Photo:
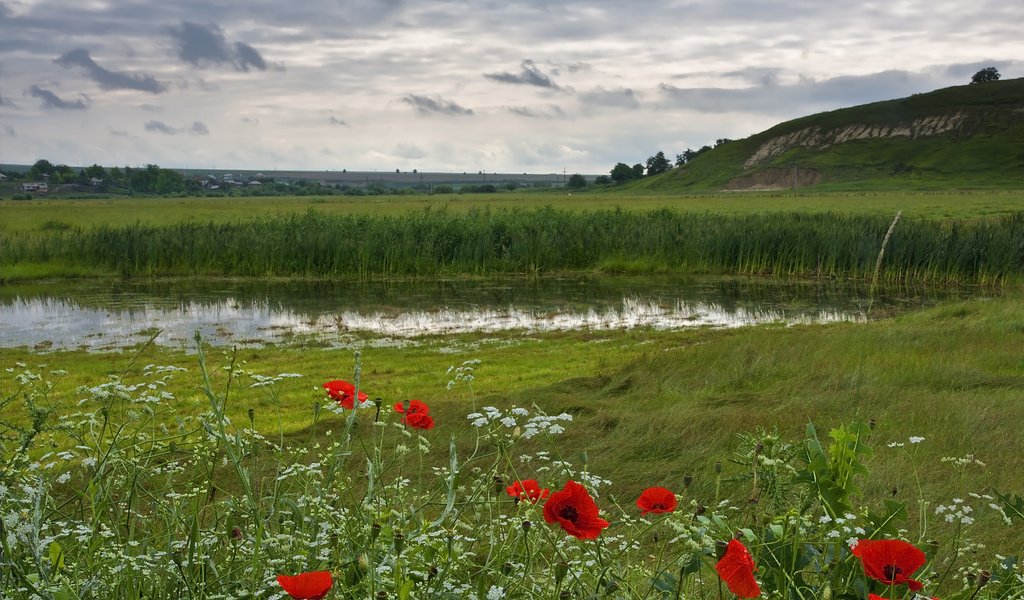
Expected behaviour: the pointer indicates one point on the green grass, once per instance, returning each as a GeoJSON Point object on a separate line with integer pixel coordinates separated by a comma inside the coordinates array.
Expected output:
{"type": "Point", "coordinates": [651, 406]}
{"type": "Point", "coordinates": [543, 240]}
{"type": "Point", "coordinates": [53, 215]}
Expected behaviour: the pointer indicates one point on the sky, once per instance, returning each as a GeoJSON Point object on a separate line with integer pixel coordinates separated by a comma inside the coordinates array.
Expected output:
{"type": "Point", "coordinates": [537, 86]}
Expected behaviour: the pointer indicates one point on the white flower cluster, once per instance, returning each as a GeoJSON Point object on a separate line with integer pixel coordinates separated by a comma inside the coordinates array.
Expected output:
{"type": "Point", "coordinates": [264, 380]}
{"type": "Point", "coordinates": [957, 511]}
{"type": "Point", "coordinates": [914, 439]}
{"type": "Point", "coordinates": [548, 424]}
{"type": "Point", "coordinates": [463, 373]}
{"type": "Point", "coordinates": [961, 463]}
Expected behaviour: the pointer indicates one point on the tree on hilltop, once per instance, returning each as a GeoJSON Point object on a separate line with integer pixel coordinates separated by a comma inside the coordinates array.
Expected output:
{"type": "Point", "coordinates": [658, 164]}
{"type": "Point", "coordinates": [985, 75]}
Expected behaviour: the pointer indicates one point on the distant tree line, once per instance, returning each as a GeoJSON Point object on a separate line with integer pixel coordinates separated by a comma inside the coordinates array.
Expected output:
{"type": "Point", "coordinates": [655, 165]}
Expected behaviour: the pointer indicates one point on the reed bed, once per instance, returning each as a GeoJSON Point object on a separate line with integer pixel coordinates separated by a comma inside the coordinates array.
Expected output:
{"type": "Point", "coordinates": [433, 242]}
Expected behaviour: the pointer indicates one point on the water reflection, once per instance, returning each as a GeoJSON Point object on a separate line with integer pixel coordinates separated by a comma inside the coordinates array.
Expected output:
{"type": "Point", "coordinates": [114, 314]}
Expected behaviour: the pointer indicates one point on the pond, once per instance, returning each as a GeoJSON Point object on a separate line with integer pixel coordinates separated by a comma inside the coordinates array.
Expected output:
{"type": "Point", "coordinates": [100, 315]}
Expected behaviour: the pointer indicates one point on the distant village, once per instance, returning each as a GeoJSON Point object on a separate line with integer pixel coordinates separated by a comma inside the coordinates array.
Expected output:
{"type": "Point", "coordinates": [44, 178]}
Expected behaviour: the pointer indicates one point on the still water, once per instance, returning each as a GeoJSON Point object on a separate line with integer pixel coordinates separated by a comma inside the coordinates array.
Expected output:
{"type": "Point", "coordinates": [114, 314]}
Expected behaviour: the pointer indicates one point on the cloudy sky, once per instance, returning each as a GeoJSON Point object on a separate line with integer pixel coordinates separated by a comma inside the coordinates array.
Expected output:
{"type": "Point", "coordinates": [458, 85]}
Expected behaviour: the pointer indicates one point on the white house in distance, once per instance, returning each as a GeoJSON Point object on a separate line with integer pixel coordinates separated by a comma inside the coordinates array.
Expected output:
{"type": "Point", "coordinates": [34, 186]}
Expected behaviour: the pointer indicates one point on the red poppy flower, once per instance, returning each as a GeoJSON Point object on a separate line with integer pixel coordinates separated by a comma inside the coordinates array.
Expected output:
{"type": "Point", "coordinates": [574, 509]}
{"type": "Point", "coordinates": [890, 561]}
{"type": "Point", "coordinates": [736, 568]}
{"type": "Point", "coordinates": [528, 489]}
{"type": "Point", "coordinates": [419, 420]}
{"type": "Point", "coordinates": [657, 500]}
{"type": "Point", "coordinates": [415, 406]}
{"type": "Point", "coordinates": [343, 391]}
{"type": "Point", "coordinates": [308, 586]}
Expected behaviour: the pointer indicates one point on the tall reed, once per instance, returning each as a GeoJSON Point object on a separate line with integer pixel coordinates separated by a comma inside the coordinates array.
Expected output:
{"type": "Point", "coordinates": [484, 241]}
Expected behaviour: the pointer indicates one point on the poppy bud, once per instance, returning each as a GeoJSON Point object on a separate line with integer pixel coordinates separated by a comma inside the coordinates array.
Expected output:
{"type": "Point", "coordinates": [971, 577]}
{"type": "Point", "coordinates": [983, 578]}
{"type": "Point", "coordinates": [584, 458]}
{"type": "Point", "coordinates": [382, 595]}
{"type": "Point", "coordinates": [894, 491]}
{"type": "Point", "coordinates": [932, 547]}
{"type": "Point", "coordinates": [176, 558]}
{"type": "Point", "coordinates": [362, 564]}
{"type": "Point", "coordinates": [612, 586]}
{"type": "Point", "coordinates": [752, 502]}
{"type": "Point", "coordinates": [506, 568]}
{"type": "Point", "coordinates": [720, 549]}
{"type": "Point", "coordinates": [872, 423]}
{"type": "Point", "coordinates": [718, 467]}
{"type": "Point", "coordinates": [687, 480]}
{"type": "Point", "coordinates": [172, 447]}
{"type": "Point", "coordinates": [700, 510]}
{"type": "Point", "coordinates": [378, 402]}
{"type": "Point", "coordinates": [499, 484]}
{"type": "Point", "coordinates": [560, 570]}
{"type": "Point", "coordinates": [316, 409]}
{"type": "Point", "coordinates": [236, 533]}
{"type": "Point", "coordinates": [252, 417]}
{"type": "Point", "coordinates": [565, 595]}
{"type": "Point", "coordinates": [399, 542]}
{"type": "Point", "coordinates": [737, 535]}
{"type": "Point", "coordinates": [758, 448]}
{"type": "Point", "coordinates": [432, 572]}
{"type": "Point", "coordinates": [526, 526]}
{"type": "Point", "coordinates": [405, 407]}
{"type": "Point", "coordinates": [374, 531]}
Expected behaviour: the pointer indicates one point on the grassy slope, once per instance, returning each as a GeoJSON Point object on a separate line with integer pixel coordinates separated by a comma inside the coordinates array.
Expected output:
{"type": "Point", "coordinates": [651, 406]}
{"type": "Point", "coordinates": [992, 157]}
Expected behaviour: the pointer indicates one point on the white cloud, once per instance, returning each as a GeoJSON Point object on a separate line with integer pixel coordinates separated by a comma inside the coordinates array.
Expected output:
{"type": "Point", "coordinates": [355, 84]}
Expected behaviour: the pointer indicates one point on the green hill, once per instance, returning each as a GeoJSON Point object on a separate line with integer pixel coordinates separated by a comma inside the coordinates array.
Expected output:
{"type": "Point", "coordinates": [964, 136]}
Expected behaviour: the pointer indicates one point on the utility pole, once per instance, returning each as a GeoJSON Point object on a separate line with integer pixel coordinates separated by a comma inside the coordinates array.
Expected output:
{"type": "Point", "coordinates": [563, 176]}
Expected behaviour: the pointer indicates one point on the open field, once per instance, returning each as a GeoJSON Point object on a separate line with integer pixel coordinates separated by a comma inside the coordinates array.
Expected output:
{"type": "Point", "coordinates": [55, 214]}
{"type": "Point", "coordinates": [146, 482]}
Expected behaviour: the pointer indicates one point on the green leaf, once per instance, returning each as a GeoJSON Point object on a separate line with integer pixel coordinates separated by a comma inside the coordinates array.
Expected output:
{"type": "Point", "coordinates": [56, 553]}
{"type": "Point", "coordinates": [1012, 506]}
{"type": "Point", "coordinates": [405, 591]}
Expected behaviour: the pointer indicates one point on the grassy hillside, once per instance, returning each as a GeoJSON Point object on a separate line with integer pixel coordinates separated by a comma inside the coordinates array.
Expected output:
{"type": "Point", "coordinates": [964, 136]}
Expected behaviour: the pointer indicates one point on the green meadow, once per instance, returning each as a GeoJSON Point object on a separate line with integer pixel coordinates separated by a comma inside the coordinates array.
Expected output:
{"type": "Point", "coordinates": [236, 478]}
{"type": "Point", "coordinates": [42, 215]}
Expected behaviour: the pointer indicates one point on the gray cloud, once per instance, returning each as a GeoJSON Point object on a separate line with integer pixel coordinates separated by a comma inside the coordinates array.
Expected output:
{"type": "Point", "coordinates": [529, 74]}
{"type": "Point", "coordinates": [965, 70]}
{"type": "Point", "coordinates": [51, 100]}
{"type": "Point", "coordinates": [425, 105]}
{"type": "Point", "coordinates": [109, 80]}
{"type": "Point", "coordinates": [336, 121]}
{"type": "Point", "coordinates": [201, 45]}
{"type": "Point", "coordinates": [118, 132]}
{"type": "Point", "coordinates": [618, 97]}
{"type": "Point", "coordinates": [551, 112]}
{"type": "Point", "coordinates": [160, 127]}
{"type": "Point", "coordinates": [196, 128]}
{"type": "Point", "coordinates": [247, 56]}
{"type": "Point", "coordinates": [7, 129]}
{"type": "Point", "coordinates": [804, 96]}
{"type": "Point", "coordinates": [5, 101]}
